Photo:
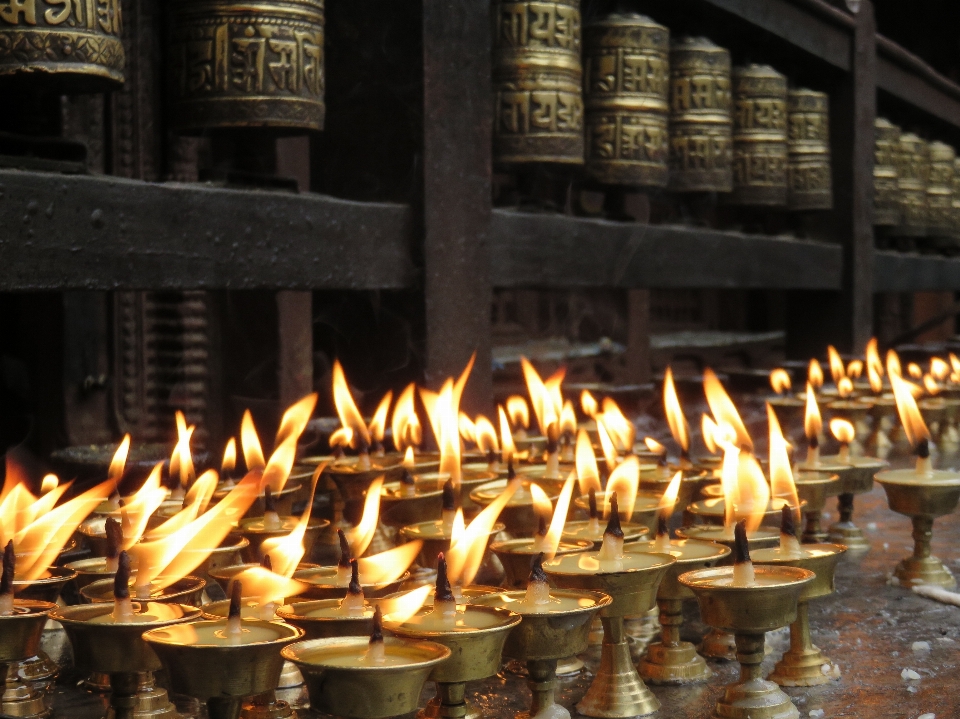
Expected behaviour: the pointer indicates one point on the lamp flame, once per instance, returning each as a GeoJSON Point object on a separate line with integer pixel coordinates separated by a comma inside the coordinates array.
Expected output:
{"type": "Point", "coordinates": [855, 369]}
{"type": "Point", "coordinates": [837, 370]}
{"type": "Point", "coordinates": [753, 493]}
{"type": "Point", "coordinates": [812, 421]}
{"type": "Point", "coordinates": [268, 587]}
{"type": "Point", "coordinates": [654, 446]}
{"type": "Point", "coordinates": [286, 552]}
{"type": "Point", "coordinates": [544, 396]}
{"type": "Point", "coordinates": [588, 476]}
{"type": "Point", "coordinates": [780, 380]}
{"type": "Point", "coordinates": [378, 425]}
{"type": "Point", "coordinates": [400, 609]}
{"type": "Point", "coordinates": [295, 419]}
{"type": "Point", "coordinates": [518, 411]}
{"type": "Point", "coordinates": [49, 483]}
{"type": "Point", "coordinates": [624, 482]}
{"type": "Point", "coordinates": [708, 428]}
{"type": "Point", "coordinates": [347, 409]}
{"type": "Point", "coordinates": [250, 443]}
{"type": "Point", "coordinates": [542, 505]}
{"type": "Point", "coordinates": [842, 430]}
{"type": "Point", "coordinates": [486, 435]}
{"type": "Point", "coordinates": [815, 374]}
{"type": "Point", "coordinates": [669, 499]}
{"type": "Point", "coordinates": [588, 403]}
{"type": "Point", "coordinates": [723, 408]}
{"type": "Point", "coordinates": [781, 475]}
{"type": "Point", "coordinates": [939, 368]}
{"type": "Point", "coordinates": [621, 430]}
{"type": "Point", "coordinates": [893, 364]}
{"type": "Point", "coordinates": [559, 518]}
{"type": "Point", "coordinates": [913, 369]}
{"type": "Point", "coordinates": [138, 509]}
{"type": "Point", "coordinates": [465, 555]}
{"type": "Point", "coordinates": [506, 436]}
{"type": "Point", "coordinates": [119, 461]}
{"type": "Point", "coordinates": [606, 444]}
{"type": "Point", "coordinates": [360, 536]}
{"type": "Point", "coordinates": [407, 431]}
{"type": "Point", "coordinates": [229, 462]}
{"type": "Point", "coordinates": [390, 565]}
{"type": "Point", "coordinates": [675, 418]}
{"type": "Point", "coordinates": [913, 424]}
{"type": "Point", "coordinates": [568, 420]}
{"type": "Point", "coordinates": [930, 384]}
{"type": "Point", "coordinates": [874, 366]}
{"type": "Point", "coordinates": [467, 429]}
{"type": "Point", "coordinates": [845, 387]}
{"type": "Point", "coordinates": [181, 461]}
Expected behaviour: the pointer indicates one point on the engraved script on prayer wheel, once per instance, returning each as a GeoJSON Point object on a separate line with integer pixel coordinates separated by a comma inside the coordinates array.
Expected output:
{"type": "Point", "coordinates": [75, 44]}
{"type": "Point", "coordinates": [759, 136]}
{"type": "Point", "coordinates": [940, 190]}
{"type": "Point", "coordinates": [809, 185]}
{"type": "Point", "coordinates": [913, 172]}
{"type": "Point", "coordinates": [246, 64]}
{"type": "Point", "coordinates": [627, 76]}
{"type": "Point", "coordinates": [886, 189]}
{"type": "Point", "coordinates": [700, 119]}
{"type": "Point", "coordinates": [537, 79]}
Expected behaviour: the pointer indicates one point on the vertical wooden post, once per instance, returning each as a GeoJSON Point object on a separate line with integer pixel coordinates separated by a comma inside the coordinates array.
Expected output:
{"type": "Point", "coordinates": [845, 318]}
{"type": "Point", "coordinates": [456, 177]}
{"type": "Point", "coordinates": [638, 337]}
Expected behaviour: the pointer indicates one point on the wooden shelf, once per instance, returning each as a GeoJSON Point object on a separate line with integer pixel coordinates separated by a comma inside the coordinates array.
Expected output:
{"type": "Point", "coordinates": [534, 250]}
{"type": "Point", "coordinates": [907, 77]}
{"type": "Point", "coordinates": [911, 272]}
{"type": "Point", "coordinates": [101, 233]}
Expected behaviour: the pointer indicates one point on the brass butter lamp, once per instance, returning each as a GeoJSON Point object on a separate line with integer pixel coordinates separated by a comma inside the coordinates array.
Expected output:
{"type": "Point", "coordinates": [749, 601]}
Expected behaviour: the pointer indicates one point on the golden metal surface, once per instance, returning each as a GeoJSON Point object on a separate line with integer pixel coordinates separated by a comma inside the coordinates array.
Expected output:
{"type": "Point", "coordinates": [365, 692]}
{"type": "Point", "coordinates": [188, 590]}
{"type": "Point", "coordinates": [537, 82]}
{"type": "Point", "coordinates": [813, 488]}
{"type": "Point", "coordinates": [224, 575]}
{"type": "Point", "coordinates": [809, 184]}
{"type": "Point", "coordinates": [246, 64]}
{"type": "Point", "coordinates": [20, 632]}
{"type": "Point", "coordinates": [692, 480]}
{"type": "Point", "coordinates": [701, 119]}
{"type": "Point", "coordinates": [45, 589]}
{"type": "Point", "coordinates": [627, 77]}
{"type": "Point", "coordinates": [516, 556]}
{"type": "Point", "coordinates": [922, 501]}
{"type": "Point", "coordinates": [70, 47]}
{"type": "Point", "coordinates": [759, 136]}
{"type": "Point", "coordinates": [940, 189]}
{"type": "Point", "coordinates": [913, 174]}
{"type": "Point", "coordinates": [255, 536]}
{"type": "Point", "coordinates": [297, 614]}
{"type": "Point", "coordinates": [433, 547]}
{"type": "Point", "coordinates": [886, 188]}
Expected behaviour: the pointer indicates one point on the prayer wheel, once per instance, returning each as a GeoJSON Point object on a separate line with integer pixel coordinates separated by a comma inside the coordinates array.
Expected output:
{"type": "Point", "coordinates": [627, 75]}
{"type": "Point", "coordinates": [886, 189]}
{"type": "Point", "coordinates": [73, 45]}
{"type": "Point", "coordinates": [940, 190]}
{"type": "Point", "coordinates": [810, 186]}
{"type": "Point", "coordinates": [759, 136]}
{"type": "Point", "coordinates": [255, 64]}
{"type": "Point", "coordinates": [537, 78]}
{"type": "Point", "coordinates": [700, 120]}
{"type": "Point", "coordinates": [913, 172]}
{"type": "Point", "coordinates": [955, 220]}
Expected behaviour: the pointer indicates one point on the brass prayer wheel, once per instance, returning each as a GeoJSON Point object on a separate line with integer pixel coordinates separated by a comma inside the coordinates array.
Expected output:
{"type": "Point", "coordinates": [246, 64]}
{"type": "Point", "coordinates": [809, 186]}
{"type": "Point", "coordinates": [74, 43]}
{"type": "Point", "coordinates": [886, 189]}
{"type": "Point", "coordinates": [955, 220]}
{"type": "Point", "coordinates": [537, 79]}
{"type": "Point", "coordinates": [913, 171]}
{"type": "Point", "coordinates": [759, 136]}
{"type": "Point", "coordinates": [940, 189]}
{"type": "Point", "coordinates": [701, 153]}
{"type": "Point", "coordinates": [627, 76]}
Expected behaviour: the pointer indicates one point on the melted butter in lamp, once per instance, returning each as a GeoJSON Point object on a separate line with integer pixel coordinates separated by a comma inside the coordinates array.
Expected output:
{"type": "Point", "coordinates": [142, 614]}
{"type": "Point", "coordinates": [464, 619]}
{"type": "Point", "coordinates": [262, 524]}
{"type": "Point", "coordinates": [679, 548]}
{"type": "Point", "coordinates": [215, 633]}
{"type": "Point", "coordinates": [335, 612]}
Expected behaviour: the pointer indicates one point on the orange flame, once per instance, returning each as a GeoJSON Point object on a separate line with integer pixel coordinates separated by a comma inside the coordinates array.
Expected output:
{"type": "Point", "coordinates": [465, 555]}
{"type": "Point", "coordinates": [753, 493]}
{"type": "Point", "coordinates": [201, 492]}
{"type": "Point", "coordinates": [588, 476]}
{"type": "Point", "coordinates": [606, 444]}
{"type": "Point", "coordinates": [268, 587]}
{"type": "Point", "coordinates": [164, 561]}
{"type": "Point", "coordinates": [446, 412]}
{"type": "Point", "coordinates": [669, 499]}
{"type": "Point", "coordinates": [671, 406]}
{"type": "Point", "coordinates": [622, 431]}
{"type": "Point", "coordinates": [360, 536]}
{"type": "Point", "coordinates": [138, 509]}
{"type": "Point", "coordinates": [842, 430]}
{"type": "Point", "coordinates": [568, 419]}
{"type": "Point", "coordinates": [486, 435]}
{"type": "Point", "coordinates": [49, 483]}
{"type": "Point", "coordinates": [506, 436]}
{"type": "Point", "coordinates": [654, 446]}
{"type": "Point", "coordinates": [390, 565]}
{"type": "Point", "coordinates": [955, 363]}
{"type": "Point", "coordinates": [893, 364]}
{"type": "Point", "coordinates": [815, 374]}
{"type": "Point", "coordinates": [930, 384]}
{"type": "Point", "coordinates": [624, 482]}
{"type": "Point", "coordinates": [542, 505]}
{"type": "Point", "coordinates": [837, 370]}
{"type": "Point", "coordinates": [723, 408]}
{"type": "Point", "coordinates": [708, 428]}
{"type": "Point", "coordinates": [407, 431]}
{"type": "Point", "coordinates": [855, 369]}
{"type": "Point", "coordinates": [286, 552]}
{"type": "Point", "coordinates": [729, 471]}
{"type": "Point", "coordinates": [294, 422]}
{"type": "Point", "coordinates": [181, 461]}
{"type": "Point", "coordinates": [250, 443]}
{"type": "Point", "coordinates": [913, 424]}
{"type": "Point", "coordinates": [552, 541]}
{"type": "Point", "coordinates": [540, 397]}
{"type": "Point", "coordinates": [812, 421]}
{"type": "Point", "coordinates": [874, 366]}
{"type": "Point", "coordinates": [468, 430]}
{"type": "Point", "coordinates": [119, 461]}
{"type": "Point", "coordinates": [588, 403]}
{"type": "Point", "coordinates": [229, 462]}
{"type": "Point", "coordinates": [781, 476]}
{"type": "Point", "coordinates": [39, 542]}
{"type": "Point", "coordinates": [780, 380]}
{"type": "Point", "coordinates": [845, 387]}
{"type": "Point", "coordinates": [913, 369]}
{"type": "Point", "coordinates": [378, 425]}
{"type": "Point", "coordinates": [939, 368]}
{"type": "Point", "coordinates": [347, 409]}
{"type": "Point", "coordinates": [400, 609]}
{"type": "Point", "coordinates": [518, 411]}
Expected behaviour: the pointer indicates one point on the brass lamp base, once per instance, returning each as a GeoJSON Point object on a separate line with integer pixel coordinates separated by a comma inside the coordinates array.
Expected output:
{"type": "Point", "coordinates": [617, 690]}
{"type": "Point", "coordinates": [924, 570]}
{"type": "Point", "coordinates": [134, 696]}
{"type": "Point", "coordinates": [642, 629]}
{"type": "Point", "coordinates": [266, 706]}
{"type": "Point", "coordinates": [845, 531]}
{"type": "Point", "coordinates": [802, 664]}
{"type": "Point", "coordinates": [753, 697]}
{"type": "Point", "coordinates": [672, 661]}
{"type": "Point", "coordinates": [719, 646]}
{"type": "Point", "coordinates": [25, 701]}
{"type": "Point", "coordinates": [432, 710]}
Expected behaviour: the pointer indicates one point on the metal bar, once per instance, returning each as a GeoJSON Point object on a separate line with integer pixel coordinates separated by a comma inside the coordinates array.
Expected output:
{"type": "Point", "coordinates": [457, 170]}
{"type": "Point", "coordinates": [81, 232]}
{"type": "Point", "coordinates": [529, 250]}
